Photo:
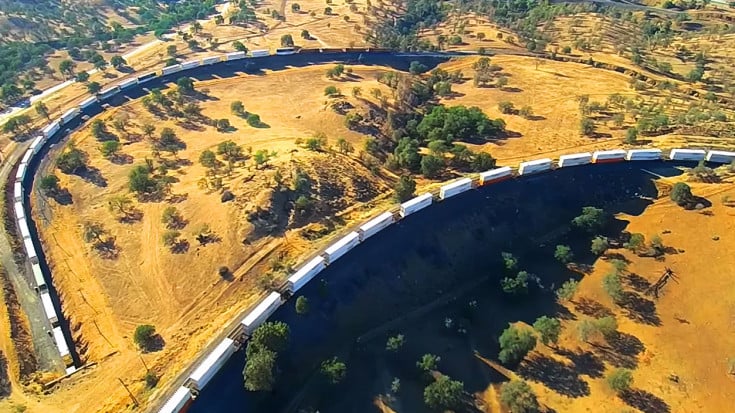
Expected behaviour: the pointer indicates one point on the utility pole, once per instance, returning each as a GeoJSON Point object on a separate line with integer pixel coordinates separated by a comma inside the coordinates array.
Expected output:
{"type": "Point", "coordinates": [135, 401]}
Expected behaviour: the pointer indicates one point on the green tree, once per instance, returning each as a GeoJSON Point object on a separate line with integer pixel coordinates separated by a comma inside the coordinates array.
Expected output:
{"type": "Point", "coordinates": [613, 286]}
{"type": "Point", "coordinates": [681, 193]}
{"type": "Point", "coordinates": [344, 147]}
{"type": "Point", "coordinates": [444, 393]}
{"type": "Point", "coordinates": [237, 108]}
{"type": "Point", "coordinates": [599, 245]}
{"type": "Point", "coordinates": [117, 61]}
{"type": "Point", "coordinates": [518, 397]}
{"type": "Point", "coordinates": [259, 370]}
{"type": "Point", "coordinates": [272, 335]}
{"type": "Point", "coordinates": [334, 370]}
{"type": "Point", "coordinates": [110, 149]}
{"type": "Point", "coordinates": [66, 67]}
{"type": "Point", "coordinates": [223, 125]}
{"type": "Point", "coordinates": [41, 109]}
{"type": "Point", "coordinates": [431, 166]}
{"type": "Point", "coordinates": [295, 7]}
{"type": "Point", "coordinates": [567, 290]}
{"type": "Point", "coordinates": [237, 45]}
{"type": "Point", "coordinates": [517, 285]}
{"type": "Point", "coordinates": [416, 68]}
{"type": "Point", "coordinates": [82, 77]}
{"type": "Point", "coordinates": [171, 217]}
{"type": "Point", "coordinates": [71, 161]}
{"type": "Point", "coordinates": [620, 379]}
{"type": "Point", "coordinates": [395, 343]}
{"type": "Point", "coordinates": [631, 136]}
{"type": "Point", "coordinates": [548, 328]}
{"type": "Point", "coordinates": [208, 159]}
{"type": "Point", "coordinates": [171, 237]}
{"type": "Point", "coordinates": [591, 220]}
{"type": "Point", "coordinates": [515, 343]}
{"type": "Point", "coordinates": [49, 184]}
{"type": "Point", "coordinates": [331, 91]}
{"type": "Point", "coordinates": [607, 326]}
{"type": "Point", "coordinates": [404, 189]}
{"type": "Point", "coordinates": [140, 181]}
{"type": "Point", "coordinates": [636, 242]}
{"type": "Point", "coordinates": [287, 40]}
{"type": "Point", "coordinates": [144, 336]}
{"type": "Point", "coordinates": [302, 305]}
{"type": "Point", "coordinates": [563, 254]}
{"type": "Point", "coordinates": [587, 126]}
{"type": "Point", "coordinates": [93, 87]}
{"type": "Point", "coordinates": [254, 120]}
{"type": "Point", "coordinates": [506, 107]}
{"type": "Point", "coordinates": [428, 362]}
{"type": "Point", "coordinates": [509, 261]}
{"type": "Point", "coordinates": [185, 84]}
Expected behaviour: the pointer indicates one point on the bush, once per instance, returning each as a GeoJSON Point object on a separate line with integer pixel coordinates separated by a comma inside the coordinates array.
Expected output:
{"type": "Point", "coordinates": [636, 242]}
{"type": "Point", "coordinates": [506, 107]}
{"type": "Point", "coordinates": [591, 220]}
{"type": "Point", "coordinates": [620, 379]}
{"type": "Point", "coordinates": [431, 166]}
{"type": "Point", "coordinates": [404, 189]}
{"type": "Point", "coordinates": [334, 369]}
{"type": "Point", "coordinates": [331, 91]}
{"type": "Point", "coordinates": [613, 286]}
{"type": "Point", "coordinates": [287, 40]}
{"type": "Point", "coordinates": [428, 362]}
{"type": "Point", "coordinates": [631, 136]}
{"type": "Point", "coordinates": [526, 112]}
{"type": "Point", "coordinates": [566, 50]}
{"type": "Point", "coordinates": [567, 290]}
{"type": "Point", "coordinates": [395, 343]}
{"type": "Point", "coordinates": [144, 336]}
{"type": "Point", "coordinates": [607, 325]}
{"type": "Point", "coordinates": [444, 393]}
{"type": "Point", "coordinates": [151, 380]}
{"type": "Point", "coordinates": [587, 127]}
{"type": "Point", "coordinates": [548, 328]}
{"type": "Point", "coordinates": [518, 396]}
{"type": "Point", "coordinates": [237, 108]}
{"type": "Point", "coordinates": [599, 245]}
{"type": "Point", "coordinates": [170, 237]}
{"type": "Point", "coordinates": [517, 285]}
{"type": "Point", "coordinates": [515, 343]}
{"type": "Point", "coordinates": [681, 193]}
{"type": "Point", "coordinates": [563, 254]}
{"type": "Point", "coordinates": [302, 305]}
{"type": "Point", "coordinates": [49, 184]}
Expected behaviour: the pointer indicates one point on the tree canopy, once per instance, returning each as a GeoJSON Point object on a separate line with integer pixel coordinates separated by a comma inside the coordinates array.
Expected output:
{"type": "Point", "coordinates": [444, 393]}
{"type": "Point", "coordinates": [518, 396]}
{"type": "Point", "coordinates": [515, 343]}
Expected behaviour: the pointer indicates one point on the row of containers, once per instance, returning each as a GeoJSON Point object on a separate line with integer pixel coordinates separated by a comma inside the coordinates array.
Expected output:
{"type": "Point", "coordinates": [72, 115]}
{"type": "Point", "coordinates": [210, 365]}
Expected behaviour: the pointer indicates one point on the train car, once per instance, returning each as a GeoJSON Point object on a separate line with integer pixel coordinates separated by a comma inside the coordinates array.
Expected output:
{"type": "Point", "coordinates": [61, 342]}
{"type": "Point", "coordinates": [88, 102]}
{"type": "Point", "coordinates": [147, 77]}
{"type": "Point", "coordinates": [128, 83]}
{"type": "Point", "coordinates": [108, 93]}
{"type": "Point", "coordinates": [38, 277]}
{"type": "Point", "coordinates": [615, 155]}
{"type": "Point", "coordinates": [536, 166]}
{"type": "Point", "coordinates": [27, 155]}
{"type": "Point", "coordinates": [48, 308]}
{"type": "Point", "coordinates": [282, 51]}
{"type": "Point", "coordinates": [235, 56]}
{"type": "Point", "coordinates": [454, 188]}
{"type": "Point", "coordinates": [262, 311]}
{"type": "Point", "coordinates": [30, 249]}
{"type": "Point", "coordinates": [168, 70]}
{"type": "Point", "coordinates": [720, 156]}
{"type": "Point", "coordinates": [341, 247]}
{"type": "Point", "coordinates": [575, 159]}
{"type": "Point", "coordinates": [69, 115]}
{"type": "Point", "coordinates": [211, 60]}
{"type": "Point", "coordinates": [178, 402]}
{"type": "Point", "coordinates": [260, 53]}
{"type": "Point", "coordinates": [51, 129]}
{"type": "Point", "coordinates": [20, 174]}
{"type": "Point", "coordinates": [643, 155]}
{"type": "Point", "coordinates": [25, 232]}
{"type": "Point", "coordinates": [19, 210]}
{"type": "Point", "coordinates": [416, 204]}
{"type": "Point", "coordinates": [211, 364]}
{"type": "Point", "coordinates": [191, 64]}
{"type": "Point", "coordinates": [375, 225]}
{"type": "Point", "coordinates": [495, 175]}
{"type": "Point", "coordinates": [695, 155]}
{"type": "Point", "coordinates": [36, 145]}
{"type": "Point", "coordinates": [17, 191]}
{"type": "Point", "coordinates": [305, 274]}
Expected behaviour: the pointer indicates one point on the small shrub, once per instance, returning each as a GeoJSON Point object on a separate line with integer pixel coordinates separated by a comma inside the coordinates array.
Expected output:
{"type": "Point", "coordinates": [620, 380]}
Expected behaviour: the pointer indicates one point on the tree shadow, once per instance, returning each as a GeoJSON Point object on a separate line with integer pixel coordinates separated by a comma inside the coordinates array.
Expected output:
{"type": "Point", "coordinates": [585, 362]}
{"type": "Point", "coordinates": [132, 216]}
{"type": "Point", "coordinates": [511, 89]}
{"type": "Point", "coordinates": [107, 249]}
{"type": "Point", "coordinates": [563, 313]}
{"type": "Point", "coordinates": [591, 308]}
{"type": "Point", "coordinates": [92, 175]}
{"type": "Point", "coordinates": [62, 196]}
{"type": "Point", "coordinates": [640, 309]}
{"type": "Point", "coordinates": [536, 117]}
{"type": "Point", "coordinates": [155, 344]}
{"type": "Point", "coordinates": [622, 350]}
{"type": "Point", "coordinates": [181, 247]}
{"type": "Point", "coordinates": [645, 401]}
{"type": "Point", "coordinates": [121, 159]}
{"type": "Point", "coordinates": [553, 374]}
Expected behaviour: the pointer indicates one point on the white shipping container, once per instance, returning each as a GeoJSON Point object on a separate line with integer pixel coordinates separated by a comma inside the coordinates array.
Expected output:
{"type": "Point", "coordinates": [305, 274]}
{"type": "Point", "coordinates": [608, 156]}
{"type": "Point", "coordinates": [48, 308]}
{"type": "Point", "coordinates": [25, 232]}
{"type": "Point", "coordinates": [88, 102]}
{"type": "Point", "coordinates": [530, 167]}
{"type": "Point", "coordinates": [375, 225]}
{"type": "Point", "coordinates": [128, 83]}
{"type": "Point", "coordinates": [109, 92]}
{"type": "Point", "coordinates": [235, 56]}
{"type": "Point", "coordinates": [51, 129]}
{"type": "Point", "coordinates": [454, 188]}
{"type": "Point", "coordinates": [190, 64]}
{"type": "Point", "coordinates": [61, 342]}
{"type": "Point", "coordinates": [687, 154]}
{"type": "Point", "coordinates": [36, 144]}
{"type": "Point", "coordinates": [147, 77]}
{"type": "Point", "coordinates": [17, 192]}
{"type": "Point", "coordinates": [177, 402]}
{"type": "Point", "coordinates": [285, 51]}
{"type": "Point", "coordinates": [38, 276]}
{"type": "Point", "coordinates": [69, 115]}
{"type": "Point", "coordinates": [416, 204]}
{"type": "Point", "coordinates": [201, 376]}
{"type": "Point", "coordinates": [260, 53]}
{"type": "Point", "coordinates": [28, 154]}
{"type": "Point", "coordinates": [720, 156]}
{"type": "Point", "coordinates": [19, 211]}
{"type": "Point", "coordinates": [20, 174]}
{"type": "Point", "coordinates": [70, 370]}
{"type": "Point", "coordinates": [264, 309]}
{"type": "Point", "coordinates": [495, 175]}
{"type": "Point", "coordinates": [30, 249]}
{"type": "Point", "coordinates": [575, 159]}
{"type": "Point", "coordinates": [341, 247]}
{"type": "Point", "coordinates": [171, 69]}
{"type": "Point", "coordinates": [211, 60]}
{"type": "Point", "coordinates": [643, 154]}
